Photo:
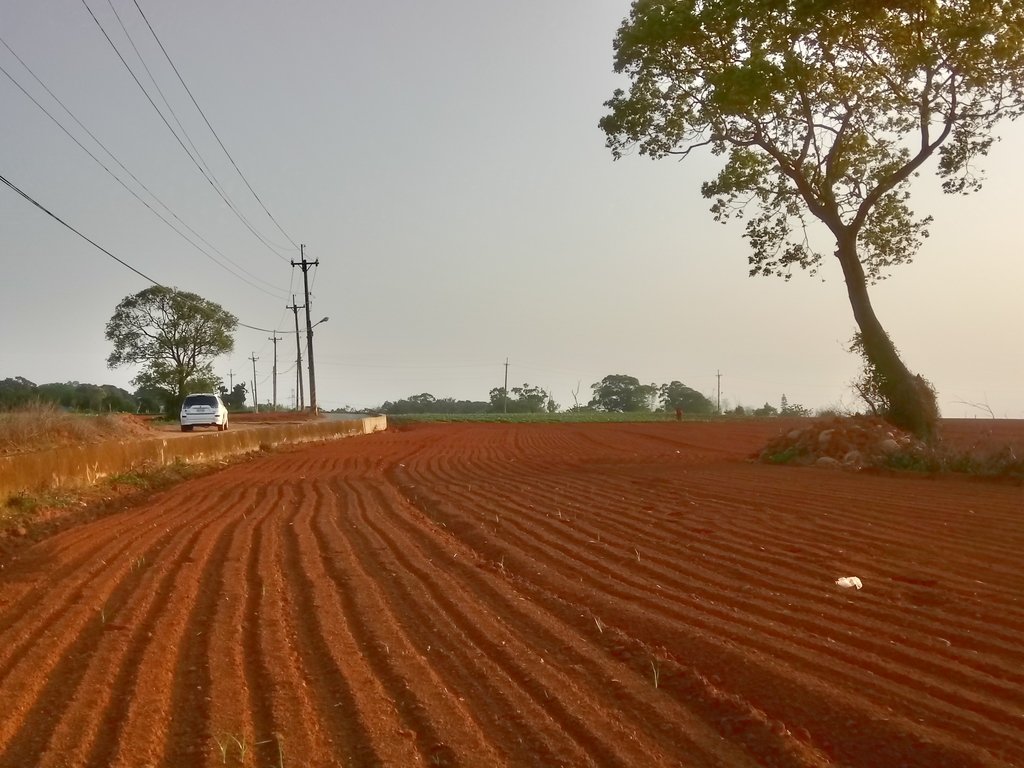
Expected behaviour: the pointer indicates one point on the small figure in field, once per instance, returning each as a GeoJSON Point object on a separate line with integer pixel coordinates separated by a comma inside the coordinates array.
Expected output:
{"type": "Point", "coordinates": [679, 414]}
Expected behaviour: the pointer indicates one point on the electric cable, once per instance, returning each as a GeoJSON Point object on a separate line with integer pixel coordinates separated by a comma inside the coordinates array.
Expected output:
{"type": "Point", "coordinates": [99, 247]}
{"type": "Point", "coordinates": [177, 138]}
{"type": "Point", "coordinates": [208, 125]}
{"type": "Point", "coordinates": [163, 98]}
{"type": "Point", "coordinates": [132, 192]}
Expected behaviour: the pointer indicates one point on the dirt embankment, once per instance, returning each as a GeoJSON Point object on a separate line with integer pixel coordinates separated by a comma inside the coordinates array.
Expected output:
{"type": "Point", "coordinates": [508, 595]}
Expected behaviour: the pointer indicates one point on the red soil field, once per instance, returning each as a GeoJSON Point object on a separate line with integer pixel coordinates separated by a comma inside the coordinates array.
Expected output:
{"type": "Point", "coordinates": [524, 595]}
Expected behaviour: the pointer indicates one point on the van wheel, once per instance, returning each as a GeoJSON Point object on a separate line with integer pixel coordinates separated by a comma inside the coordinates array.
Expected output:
{"type": "Point", "coordinates": [221, 427]}
{"type": "Point", "coordinates": [186, 428]}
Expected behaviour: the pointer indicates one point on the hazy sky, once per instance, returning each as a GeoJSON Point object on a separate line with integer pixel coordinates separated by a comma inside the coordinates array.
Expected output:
{"type": "Point", "coordinates": [443, 162]}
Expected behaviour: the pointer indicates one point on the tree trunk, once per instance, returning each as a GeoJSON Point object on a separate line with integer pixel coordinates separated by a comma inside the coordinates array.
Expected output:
{"type": "Point", "coordinates": [911, 400]}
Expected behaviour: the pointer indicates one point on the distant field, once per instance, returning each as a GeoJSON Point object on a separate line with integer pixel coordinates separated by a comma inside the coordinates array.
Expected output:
{"type": "Point", "coordinates": [588, 417]}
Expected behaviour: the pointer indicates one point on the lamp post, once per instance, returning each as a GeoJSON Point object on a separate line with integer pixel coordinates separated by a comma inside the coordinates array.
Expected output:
{"type": "Point", "coordinates": [312, 370]}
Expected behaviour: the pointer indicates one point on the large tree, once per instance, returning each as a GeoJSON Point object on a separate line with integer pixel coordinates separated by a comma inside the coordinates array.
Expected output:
{"type": "Point", "coordinates": [678, 395]}
{"type": "Point", "coordinates": [175, 336]}
{"type": "Point", "coordinates": [621, 393]}
{"type": "Point", "coordinates": [825, 110]}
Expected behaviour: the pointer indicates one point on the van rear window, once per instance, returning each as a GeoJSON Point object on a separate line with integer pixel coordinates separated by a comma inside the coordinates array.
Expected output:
{"type": "Point", "coordinates": [209, 400]}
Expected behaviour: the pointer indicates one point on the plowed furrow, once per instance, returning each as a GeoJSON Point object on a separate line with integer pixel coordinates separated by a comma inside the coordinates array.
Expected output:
{"type": "Point", "coordinates": [745, 632]}
{"type": "Point", "coordinates": [706, 658]}
{"type": "Point", "coordinates": [288, 709]}
{"type": "Point", "coordinates": [500, 632]}
{"type": "Point", "coordinates": [501, 648]}
{"type": "Point", "coordinates": [725, 562]}
{"type": "Point", "coordinates": [505, 595]}
{"type": "Point", "coordinates": [735, 563]}
{"type": "Point", "coordinates": [708, 580]}
{"type": "Point", "coordinates": [149, 703]}
{"type": "Point", "coordinates": [58, 645]}
{"type": "Point", "coordinates": [88, 732]}
{"type": "Point", "coordinates": [353, 706]}
{"type": "Point", "coordinates": [229, 731]}
{"type": "Point", "coordinates": [402, 665]}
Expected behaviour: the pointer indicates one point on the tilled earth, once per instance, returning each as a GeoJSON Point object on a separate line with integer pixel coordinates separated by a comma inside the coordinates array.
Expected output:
{"type": "Point", "coordinates": [524, 595]}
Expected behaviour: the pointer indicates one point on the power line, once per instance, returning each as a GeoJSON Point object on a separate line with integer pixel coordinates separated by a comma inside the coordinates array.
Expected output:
{"type": "Point", "coordinates": [208, 125]}
{"type": "Point", "coordinates": [99, 247]}
{"type": "Point", "coordinates": [120, 181]}
{"type": "Point", "coordinates": [196, 163]}
{"type": "Point", "coordinates": [163, 98]}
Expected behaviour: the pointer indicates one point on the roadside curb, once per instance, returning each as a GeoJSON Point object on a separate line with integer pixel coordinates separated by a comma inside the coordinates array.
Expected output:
{"type": "Point", "coordinates": [85, 464]}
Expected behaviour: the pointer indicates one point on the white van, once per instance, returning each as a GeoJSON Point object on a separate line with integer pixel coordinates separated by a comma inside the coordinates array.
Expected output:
{"type": "Point", "coordinates": [203, 410]}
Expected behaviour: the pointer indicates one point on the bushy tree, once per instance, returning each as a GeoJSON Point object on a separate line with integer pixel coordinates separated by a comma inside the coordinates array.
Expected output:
{"type": "Point", "coordinates": [825, 110]}
{"type": "Point", "coordinates": [621, 393]}
{"type": "Point", "coordinates": [175, 336]}
{"type": "Point", "coordinates": [17, 392]}
{"type": "Point", "coordinates": [524, 399]}
{"type": "Point", "coordinates": [787, 408]}
{"type": "Point", "coordinates": [677, 395]}
{"type": "Point", "coordinates": [235, 399]}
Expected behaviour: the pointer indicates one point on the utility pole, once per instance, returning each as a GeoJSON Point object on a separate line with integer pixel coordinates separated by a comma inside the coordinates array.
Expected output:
{"type": "Point", "coordinates": [305, 265]}
{"type": "Point", "coordinates": [231, 378]}
{"type": "Point", "coordinates": [275, 338]}
{"type": "Point", "coordinates": [300, 402]}
{"type": "Point", "coordinates": [255, 397]}
{"type": "Point", "coordinates": [719, 374]}
{"type": "Point", "coordinates": [504, 407]}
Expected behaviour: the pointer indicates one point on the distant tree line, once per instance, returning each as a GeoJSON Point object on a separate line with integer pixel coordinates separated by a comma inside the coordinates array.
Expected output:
{"type": "Point", "coordinates": [613, 393]}
{"type": "Point", "coordinates": [616, 393]}
{"type": "Point", "coordinates": [524, 399]}
{"type": "Point", "coordinates": [427, 403]}
{"type": "Point", "coordinates": [73, 395]}
{"type": "Point", "coordinates": [19, 392]}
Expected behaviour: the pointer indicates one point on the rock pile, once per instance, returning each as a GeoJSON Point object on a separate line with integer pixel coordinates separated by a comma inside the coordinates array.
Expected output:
{"type": "Point", "coordinates": [851, 443]}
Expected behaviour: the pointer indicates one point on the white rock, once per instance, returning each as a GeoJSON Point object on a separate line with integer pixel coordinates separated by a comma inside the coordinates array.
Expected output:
{"type": "Point", "coordinates": [888, 446]}
{"type": "Point", "coordinates": [849, 582]}
{"type": "Point", "coordinates": [826, 461]}
{"type": "Point", "coordinates": [825, 436]}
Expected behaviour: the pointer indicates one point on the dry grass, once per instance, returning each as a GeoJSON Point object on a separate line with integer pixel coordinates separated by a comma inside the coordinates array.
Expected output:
{"type": "Point", "coordinates": [40, 426]}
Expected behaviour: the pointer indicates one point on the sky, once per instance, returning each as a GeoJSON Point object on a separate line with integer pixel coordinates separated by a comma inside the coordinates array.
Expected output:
{"type": "Point", "coordinates": [443, 163]}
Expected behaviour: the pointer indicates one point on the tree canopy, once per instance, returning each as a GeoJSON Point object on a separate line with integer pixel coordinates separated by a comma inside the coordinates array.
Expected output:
{"type": "Point", "coordinates": [825, 111]}
{"type": "Point", "coordinates": [174, 336]}
{"type": "Point", "coordinates": [677, 395]}
{"type": "Point", "coordinates": [524, 399]}
{"type": "Point", "coordinates": [235, 399]}
{"type": "Point", "coordinates": [622, 393]}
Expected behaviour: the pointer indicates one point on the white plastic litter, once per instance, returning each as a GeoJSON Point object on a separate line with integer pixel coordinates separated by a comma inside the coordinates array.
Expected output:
{"type": "Point", "coordinates": [849, 582]}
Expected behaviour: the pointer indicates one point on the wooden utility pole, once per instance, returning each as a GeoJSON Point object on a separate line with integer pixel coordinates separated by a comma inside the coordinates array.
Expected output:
{"type": "Point", "coordinates": [255, 397]}
{"type": "Point", "coordinates": [305, 265]}
{"type": "Point", "coordinates": [300, 401]}
{"type": "Point", "coordinates": [719, 373]}
{"type": "Point", "coordinates": [275, 338]}
{"type": "Point", "coordinates": [504, 406]}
